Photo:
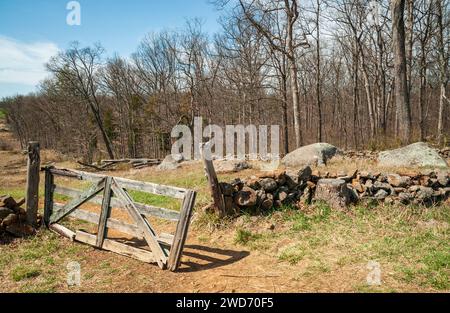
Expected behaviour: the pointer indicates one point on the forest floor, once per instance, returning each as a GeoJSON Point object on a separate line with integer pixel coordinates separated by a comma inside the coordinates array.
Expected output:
{"type": "Point", "coordinates": [321, 250]}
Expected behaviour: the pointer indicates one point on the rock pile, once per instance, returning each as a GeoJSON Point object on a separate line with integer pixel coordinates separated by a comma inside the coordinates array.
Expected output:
{"type": "Point", "coordinates": [274, 189]}
{"type": "Point", "coordinates": [13, 218]}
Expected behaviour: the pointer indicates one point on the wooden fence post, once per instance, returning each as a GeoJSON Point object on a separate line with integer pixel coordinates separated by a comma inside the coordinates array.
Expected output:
{"type": "Point", "coordinates": [216, 193]}
{"type": "Point", "coordinates": [33, 168]}
{"type": "Point", "coordinates": [49, 189]}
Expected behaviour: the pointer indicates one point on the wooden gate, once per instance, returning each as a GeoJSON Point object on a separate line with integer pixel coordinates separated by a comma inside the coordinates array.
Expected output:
{"type": "Point", "coordinates": [165, 249]}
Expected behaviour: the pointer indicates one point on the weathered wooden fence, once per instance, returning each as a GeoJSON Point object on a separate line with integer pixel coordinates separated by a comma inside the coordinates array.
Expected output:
{"type": "Point", "coordinates": [165, 249]}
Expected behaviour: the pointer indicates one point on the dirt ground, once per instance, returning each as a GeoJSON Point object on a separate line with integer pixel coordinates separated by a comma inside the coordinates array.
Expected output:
{"type": "Point", "coordinates": [317, 251]}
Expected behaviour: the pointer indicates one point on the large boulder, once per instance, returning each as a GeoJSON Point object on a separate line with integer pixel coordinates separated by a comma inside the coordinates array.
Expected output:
{"type": "Point", "coordinates": [315, 154]}
{"type": "Point", "coordinates": [171, 162]}
{"type": "Point", "coordinates": [416, 155]}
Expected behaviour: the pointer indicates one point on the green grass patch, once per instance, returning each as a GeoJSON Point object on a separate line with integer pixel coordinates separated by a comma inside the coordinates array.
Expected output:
{"type": "Point", "coordinates": [243, 237]}
{"type": "Point", "coordinates": [22, 272]}
{"type": "Point", "coordinates": [155, 200]}
{"type": "Point", "coordinates": [292, 254]}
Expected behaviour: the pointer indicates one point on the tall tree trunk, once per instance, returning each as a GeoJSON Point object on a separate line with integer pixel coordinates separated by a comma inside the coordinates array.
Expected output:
{"type": "Point", "coordinates": [318, 83]}
{"type": "Point", "coordinates": [442, 69]}
{"type": "Point", "coordinates": [401, 85]}
{"type": "Point", "coordinates": [409, 43]}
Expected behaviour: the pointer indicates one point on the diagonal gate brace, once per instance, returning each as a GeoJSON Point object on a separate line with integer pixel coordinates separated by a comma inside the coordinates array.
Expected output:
{"type": "Point", "coordinates": [149, 234]}
{"type": "Point", "coordinates": [77, 202]}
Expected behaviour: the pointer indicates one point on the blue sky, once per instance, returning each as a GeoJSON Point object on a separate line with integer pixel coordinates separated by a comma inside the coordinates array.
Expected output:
{"type": "Point", "coordinates": [31, 31]}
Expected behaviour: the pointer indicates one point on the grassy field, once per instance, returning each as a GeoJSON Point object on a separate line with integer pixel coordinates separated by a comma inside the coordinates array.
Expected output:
{"type": "Point", "coordinates": [316, 250]}
{"type": "Point", "coordinates": [286, 250]}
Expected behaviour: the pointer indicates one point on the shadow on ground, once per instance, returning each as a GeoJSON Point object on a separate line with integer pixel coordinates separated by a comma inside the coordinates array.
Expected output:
{"type": "Point", "coordinates": [200, 258]}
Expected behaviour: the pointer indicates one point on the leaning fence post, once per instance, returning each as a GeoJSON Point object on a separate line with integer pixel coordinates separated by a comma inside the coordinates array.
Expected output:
{"type": "Point", "coordinates": [216, 193]}
{"type": "Point", "coordinates": [33, 168]}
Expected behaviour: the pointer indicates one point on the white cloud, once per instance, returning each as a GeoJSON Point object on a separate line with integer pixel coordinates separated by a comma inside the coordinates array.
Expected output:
{"type": "Point", "coordinates": [23, 63]}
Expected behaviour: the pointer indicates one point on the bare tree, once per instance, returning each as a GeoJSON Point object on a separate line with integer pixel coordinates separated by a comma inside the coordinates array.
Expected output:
{"type": "Point", "coordinates": [443, 65]}
{"type": "Point", "coordinates": [401, 84]}
{"type": "Point", "coordinates": [79, 67]}
{"type": "Point", "coordinates": [262, 15]}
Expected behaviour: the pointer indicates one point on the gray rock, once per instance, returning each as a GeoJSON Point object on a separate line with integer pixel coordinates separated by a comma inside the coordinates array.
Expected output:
{"type": "Point", "coordinates": [230, 166]}
{"type": "Point", "coordinates": [304, 174]}
{"type": "Point", "coordinates": [315, 154]}
{"type": "Point", "coordinates": [405, 197]}
{"type": "Point", "coordinates": [268, 184]}
{"type": "Point", "coordinates": [443, 179]}
{"type": "Point", "coordinates": [282, 193]}
{"type": "Point", "coordinates": [417, 154]}
{"type": "Point", "coordinates": [353, 193]}
{"type": "Point", "coordinates": [398, 181]}
{"type": "Point", "coordinates": [306, 197]}
{"type": "Point", "coordinates": [381, 194]}
{"type": "Point", "coordinates": [424, 193]}
{"type": "Point", "coordinates": [379, 185]}
{"type": "Point", "coordinates": [169, 163]}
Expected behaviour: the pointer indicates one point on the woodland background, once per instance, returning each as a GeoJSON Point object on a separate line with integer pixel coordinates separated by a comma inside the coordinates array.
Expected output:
{"type": "Point", "coordinates": [357, 74]}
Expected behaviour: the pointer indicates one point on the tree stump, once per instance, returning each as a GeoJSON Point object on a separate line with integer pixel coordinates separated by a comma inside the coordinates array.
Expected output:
{"type": "Point", "coordinates": [335, 192]}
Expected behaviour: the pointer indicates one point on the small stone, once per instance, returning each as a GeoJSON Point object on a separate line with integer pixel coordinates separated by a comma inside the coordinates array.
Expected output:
{"type": "Point", "coordinates": [443, 179]}
{"type": "Point", "coordinates": [267, 204]}
{"type": "Point", "coordinates": [358, 187]}
{"type": "Point", "coordinates": [306, 197]}
{"type": "Point", "coordinates": [379, 185]}
{"type": "Point", "coordinates": [268, 184]}
{"type": "Point", "coordinates": [405, 198]}
{"type": "Point", "coordinates": [291, 182]}
{"type": "Point", "coordinates": [424, 193]}
{"type": "Point", "coordinates": [365, 175]}
{"type": "Point", "coordinates": [398, 181]}
{"type": "Point", "coordinates": [272, 174]}
{"type": "Point", "coordinates": [425, 181]}
{"type": "Point", "coordinates": [353, 193]}
{"type": "Point", "coordinates": [304, 174]}
{"type": "Point", "coordinates": [282, 193]}
{"type": "Point", "coordinates": [227, 189]}
{"type": "Point", "coordinates": [311, 185]}
{"type": "Point", "coordinates": [381, 178]}
{"type": "Point", "coordinates": [246, 197]}
{"type": "Point", "coordinates": [381, 194]}
{"type": "Point", "coordinates": [253, 183]}
{"type": "Point", "coordinates": [389, 200]}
